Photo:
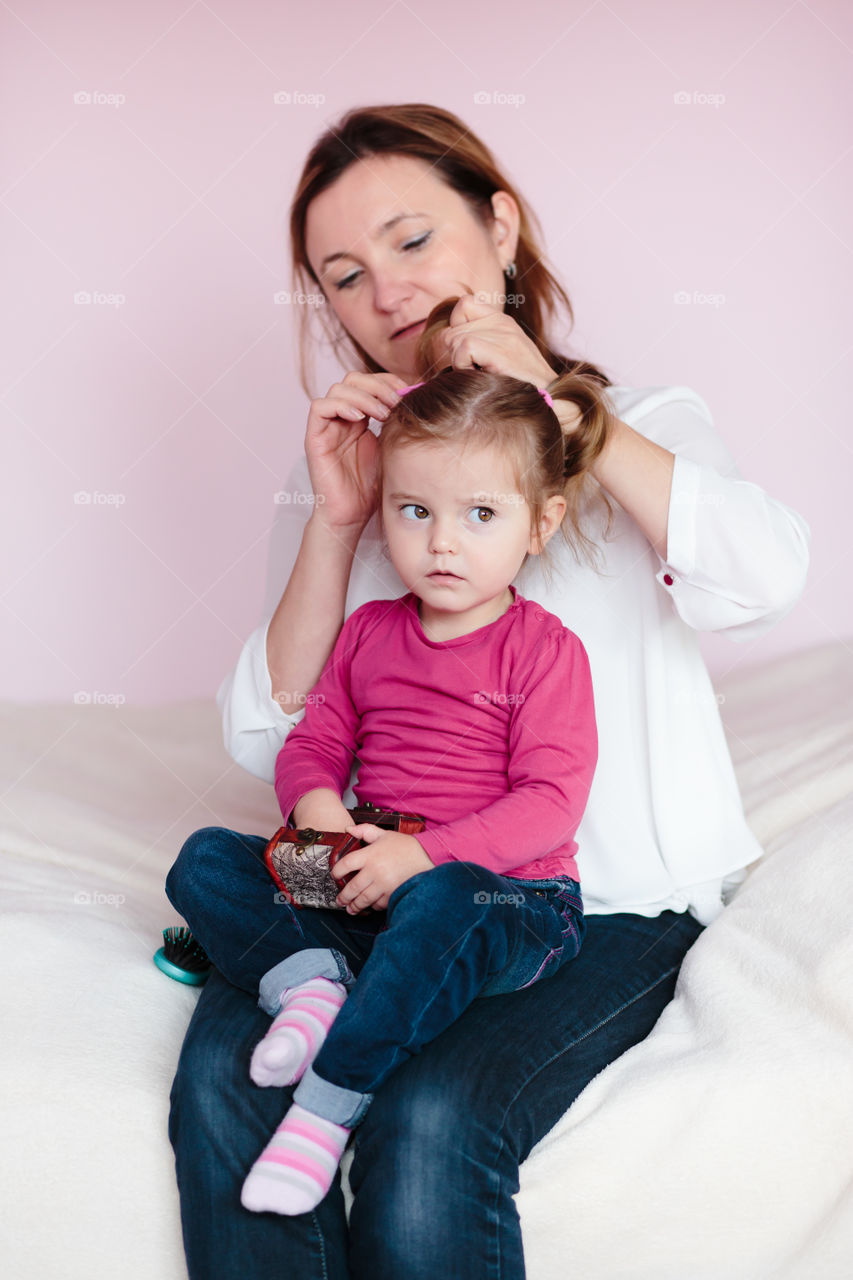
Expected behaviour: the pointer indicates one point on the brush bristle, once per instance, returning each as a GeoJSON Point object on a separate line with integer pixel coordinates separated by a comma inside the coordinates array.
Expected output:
{"type": "Point", "coordinates": [182, 949]}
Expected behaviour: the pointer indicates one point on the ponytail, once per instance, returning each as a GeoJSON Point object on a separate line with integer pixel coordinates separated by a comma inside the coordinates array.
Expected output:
{"type": "Point", "coordinates": [582, 446]}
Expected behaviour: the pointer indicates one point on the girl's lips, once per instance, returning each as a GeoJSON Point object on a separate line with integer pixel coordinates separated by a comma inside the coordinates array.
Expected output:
{"type": "Point", "coordinates": [412, 331]}
{"type": "Point", "coordinates": [439, 573]}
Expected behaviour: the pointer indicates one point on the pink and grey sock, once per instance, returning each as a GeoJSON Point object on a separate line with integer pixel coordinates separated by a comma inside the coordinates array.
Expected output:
{"type": "Point", "coordinates": [297, 1033]}
{"type": "Point", "coordinates": [295, 1170]}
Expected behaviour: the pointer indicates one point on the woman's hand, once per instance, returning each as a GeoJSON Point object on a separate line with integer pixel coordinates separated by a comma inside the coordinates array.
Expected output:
{"type": "Point", "coordinates": [389, 859]}
{"type": "Point", "coordinates": [341, 449]}
{"type": "Point", "coordinates": [480, 334]}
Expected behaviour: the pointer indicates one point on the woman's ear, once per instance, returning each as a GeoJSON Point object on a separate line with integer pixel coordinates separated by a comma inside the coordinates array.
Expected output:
{"type": "Point", "coordinates": [504, 229]}
{"type": "Point", "coordinates": [553, 513]}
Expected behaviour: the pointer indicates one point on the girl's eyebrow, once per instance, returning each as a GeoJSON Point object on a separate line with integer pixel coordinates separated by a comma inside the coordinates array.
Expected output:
{"type": "Point", "coordinates": [383, 230]}
{"type": "Point", "coordinates": [475, 500]}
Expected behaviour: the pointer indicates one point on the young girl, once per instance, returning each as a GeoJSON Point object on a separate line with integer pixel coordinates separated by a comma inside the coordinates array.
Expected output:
{"type": "Point", "coordinates": [463, 702]}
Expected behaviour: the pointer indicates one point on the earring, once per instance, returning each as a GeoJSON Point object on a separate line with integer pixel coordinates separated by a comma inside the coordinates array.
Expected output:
{"type": "Point", "coordinates": [510, 271]}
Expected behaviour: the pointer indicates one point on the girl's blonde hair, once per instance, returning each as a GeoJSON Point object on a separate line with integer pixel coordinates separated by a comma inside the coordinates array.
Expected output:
{"type": "Point", "coordinates": [490, 410]}
{"type": "Point", "coordinates": [534, 297]}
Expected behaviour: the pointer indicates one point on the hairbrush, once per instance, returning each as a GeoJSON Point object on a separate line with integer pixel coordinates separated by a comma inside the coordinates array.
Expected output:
{"type": "Point", "coordinates": [183, 958]}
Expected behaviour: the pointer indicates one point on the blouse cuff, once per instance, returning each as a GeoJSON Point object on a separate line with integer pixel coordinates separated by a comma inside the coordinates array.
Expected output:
{"type": "Point", "coordinates": [262, 684]}
{"type": "Point", "coordinates": [685, 496]}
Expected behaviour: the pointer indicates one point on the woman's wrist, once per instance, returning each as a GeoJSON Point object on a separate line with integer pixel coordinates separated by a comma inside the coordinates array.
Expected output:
{"type": "Point", "coordinates": [344, 534]}
{"type": "Point", "coordinates": [638, 474]}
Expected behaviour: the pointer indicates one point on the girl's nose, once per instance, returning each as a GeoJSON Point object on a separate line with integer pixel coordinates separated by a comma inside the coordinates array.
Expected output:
{"type": "Point", "coordinates": [442, 538]}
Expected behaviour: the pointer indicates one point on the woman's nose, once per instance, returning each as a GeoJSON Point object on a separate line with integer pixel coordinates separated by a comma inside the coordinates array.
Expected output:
{"type": "Point", "coordinates": [390, 289]}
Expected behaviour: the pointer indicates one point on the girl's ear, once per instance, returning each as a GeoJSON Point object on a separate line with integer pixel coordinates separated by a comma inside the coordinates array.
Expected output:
{"type": "Point", "coordinates": [553, 513]}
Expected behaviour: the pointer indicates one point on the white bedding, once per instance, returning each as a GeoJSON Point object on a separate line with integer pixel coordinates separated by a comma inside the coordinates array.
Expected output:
{"type": "Point", "coordinates": [719, 1149]}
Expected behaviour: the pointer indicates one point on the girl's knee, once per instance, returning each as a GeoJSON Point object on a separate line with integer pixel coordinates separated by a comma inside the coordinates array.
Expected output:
{"type": "Point", "coordinates": [201, 854]}
{"type": "Point", "coordinates": [458, 884]}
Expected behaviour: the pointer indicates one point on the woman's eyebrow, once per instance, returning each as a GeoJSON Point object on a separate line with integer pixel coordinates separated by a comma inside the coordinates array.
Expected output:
{"type": "Point", "coordinates": [383, 230]}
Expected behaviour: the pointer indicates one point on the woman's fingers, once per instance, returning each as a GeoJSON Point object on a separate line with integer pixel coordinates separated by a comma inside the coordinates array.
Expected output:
{"type": "Point", "coordinates": [361, 396]}
{"type": "Point", "coordinates": [470, 308]}
{"type": "Point", "coordinates": [496, 342]}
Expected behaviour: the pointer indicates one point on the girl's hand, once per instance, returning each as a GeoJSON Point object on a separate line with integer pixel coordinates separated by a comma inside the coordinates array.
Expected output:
{"type": "Point", "coordinates": [390, 859]}
{"type": "Point", "coordinates": [480, 334]}
{"type": "Point", "coordinates": [341, 449]}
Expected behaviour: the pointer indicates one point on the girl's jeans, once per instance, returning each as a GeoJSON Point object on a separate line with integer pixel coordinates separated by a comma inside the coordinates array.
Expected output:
{"type": "Point", "coordinates": [448, 936]}
{"type": "Point", "coordinates": [436, 1156]}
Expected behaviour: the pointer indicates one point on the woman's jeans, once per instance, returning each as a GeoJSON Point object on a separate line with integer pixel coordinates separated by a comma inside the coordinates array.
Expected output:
{"type": "Point", "coordinates": [436, 1156]}
{"type": "Point", "coordinates": [449, 935]}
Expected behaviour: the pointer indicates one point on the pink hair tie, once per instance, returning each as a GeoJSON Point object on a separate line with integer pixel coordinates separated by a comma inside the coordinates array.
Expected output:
{"type": "Point", "coordinates": [405, 391]}
{"type": "Point", "coordinates": [544, 394]}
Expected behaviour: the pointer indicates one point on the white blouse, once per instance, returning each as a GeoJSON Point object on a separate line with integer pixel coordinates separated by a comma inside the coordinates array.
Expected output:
{"type": "Point", "coordinates": [664, 827]}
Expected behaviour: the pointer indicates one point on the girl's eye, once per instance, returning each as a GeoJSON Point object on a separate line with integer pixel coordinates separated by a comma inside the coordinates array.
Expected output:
{"type": "Point", "coordinates": [482, 515]}
{"type": "Point", "coordinates": [412, 511]}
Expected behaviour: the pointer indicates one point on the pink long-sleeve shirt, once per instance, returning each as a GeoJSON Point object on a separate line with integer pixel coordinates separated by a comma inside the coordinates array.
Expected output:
{"type": "Point", "coordinates": [490, 737]}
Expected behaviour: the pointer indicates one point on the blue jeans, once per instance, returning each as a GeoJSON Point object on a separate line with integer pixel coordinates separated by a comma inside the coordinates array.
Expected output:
{"type": "Point", "coordinates": [436, 1157]}
{"type": "Point", "coordinates": [451, 934]}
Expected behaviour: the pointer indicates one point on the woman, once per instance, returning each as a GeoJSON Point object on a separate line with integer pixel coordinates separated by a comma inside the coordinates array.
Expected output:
{"type": "Point", "coordinates": [398, 208]}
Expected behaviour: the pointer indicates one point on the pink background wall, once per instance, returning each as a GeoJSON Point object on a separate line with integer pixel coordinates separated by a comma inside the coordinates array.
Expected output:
{"type": "Point", "coordinates": [171, 398]}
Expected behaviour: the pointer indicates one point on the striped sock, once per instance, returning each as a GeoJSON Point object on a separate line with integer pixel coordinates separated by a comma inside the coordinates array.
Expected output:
{"type": "Point", "coordinates": [294, 1039]}
{"type": "Point", "coordinates": [296, 1167]}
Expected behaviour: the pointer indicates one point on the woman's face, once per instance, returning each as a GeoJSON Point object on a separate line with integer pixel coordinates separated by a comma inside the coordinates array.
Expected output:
{"type": "Point", "coordinates": [390, 239]}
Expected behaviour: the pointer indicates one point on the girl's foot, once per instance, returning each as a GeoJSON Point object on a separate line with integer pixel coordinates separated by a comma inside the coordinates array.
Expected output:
{"type": "Point", "coordinates": [295, 1170]}
{"type": "Point", "coordinates": [297, 1033]}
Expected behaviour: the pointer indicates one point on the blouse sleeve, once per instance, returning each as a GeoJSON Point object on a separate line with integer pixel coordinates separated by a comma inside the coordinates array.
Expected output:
{"type": "Point", "coordinates": [736, 558]}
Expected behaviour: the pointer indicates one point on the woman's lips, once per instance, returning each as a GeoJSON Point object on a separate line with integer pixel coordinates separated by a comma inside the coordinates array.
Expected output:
{"type": "Point", "coordinates": [412, 331]}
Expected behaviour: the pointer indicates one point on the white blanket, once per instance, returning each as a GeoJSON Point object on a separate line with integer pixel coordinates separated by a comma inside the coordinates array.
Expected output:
{"type": "Point", "coordinates": [719, 1149]}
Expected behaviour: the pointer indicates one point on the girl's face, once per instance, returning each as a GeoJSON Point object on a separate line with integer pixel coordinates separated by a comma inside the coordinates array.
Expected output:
{"type": "Point", "coordinates": [458, 530]}
{"type": "Point", "coordinates": [389, 240]}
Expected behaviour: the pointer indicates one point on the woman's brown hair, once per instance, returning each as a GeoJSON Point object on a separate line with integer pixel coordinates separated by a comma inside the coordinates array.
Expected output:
{"type": "Point", "coordinates": [460, 159]}
{"type": "Point", "coordinates": [485, 410]}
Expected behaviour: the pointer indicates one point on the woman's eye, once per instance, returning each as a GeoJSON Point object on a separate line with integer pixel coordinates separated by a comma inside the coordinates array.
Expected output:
{"type": "Point", "coordinates": [412, 511]}
{"type": "Point", "coordinates": [482, 515]}
{"type": "Point", "coordinates": [347, 281]}
{"type": "Point", "coordinates": [350, 280]}
{"type": "Point", "coordinates": [417, 244]}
